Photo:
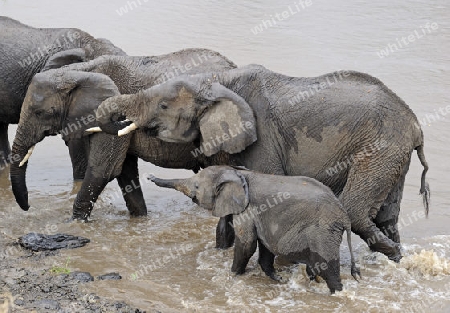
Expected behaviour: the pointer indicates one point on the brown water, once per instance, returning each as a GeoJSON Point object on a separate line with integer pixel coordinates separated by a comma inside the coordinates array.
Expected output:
{"type": "Point", "coordinates": [168, 259]}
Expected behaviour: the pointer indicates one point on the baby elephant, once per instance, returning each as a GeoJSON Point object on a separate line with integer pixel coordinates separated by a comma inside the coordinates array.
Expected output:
{"type": "Point", "coordinates": [295, 217]}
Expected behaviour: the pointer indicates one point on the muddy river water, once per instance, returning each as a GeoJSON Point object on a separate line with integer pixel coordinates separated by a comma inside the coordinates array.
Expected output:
{"type": "Point", "coordinates": [168, 260]}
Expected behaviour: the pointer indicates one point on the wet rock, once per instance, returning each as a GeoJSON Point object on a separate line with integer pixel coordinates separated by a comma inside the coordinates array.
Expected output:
{"type": "Point", "coordinates": [83, 277]}
{"type": "Point", "coordinates": [41, 242]}
{"type": "Point", "coordinates": [109, 276]}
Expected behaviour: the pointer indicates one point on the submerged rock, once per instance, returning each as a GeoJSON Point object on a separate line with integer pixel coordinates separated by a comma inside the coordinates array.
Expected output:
{"type": "Point", "coordinates": [41, 242]}
{"type": "Point", "coordinates": [108, 276]}
{"type": "Point", "coordinates": [83, 277]}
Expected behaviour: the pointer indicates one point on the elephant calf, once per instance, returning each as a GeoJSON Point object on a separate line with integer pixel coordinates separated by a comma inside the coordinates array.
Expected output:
{"type": "Point", "coordinates": [294, 216]}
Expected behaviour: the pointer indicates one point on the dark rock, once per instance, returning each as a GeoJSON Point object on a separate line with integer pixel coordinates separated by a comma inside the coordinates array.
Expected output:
{"type": "Point", "coordinates": [83, 277]}
{"type": "Point", "coordinates": [113, 276]}
{"type": "Point", "coordinates": [41, 242]}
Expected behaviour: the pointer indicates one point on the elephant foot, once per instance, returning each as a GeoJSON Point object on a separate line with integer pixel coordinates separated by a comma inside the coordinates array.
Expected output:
{"type": "Point", "coordinates": [276, 277]}
{"type": "Point", "coordinates": [138, 212]}
{"type": "Point", "coordinates": [334, 286]}
{"type": "Point", "coordinates": [81, 216]}
{"type": "Point", "coordinates": [396, 256]}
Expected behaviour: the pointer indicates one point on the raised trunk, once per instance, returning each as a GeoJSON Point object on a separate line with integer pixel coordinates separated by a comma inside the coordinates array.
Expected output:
{"type": "Point", "coordinates": [177, 184]}
{"type": "Point", "coordinates": [166, 183]}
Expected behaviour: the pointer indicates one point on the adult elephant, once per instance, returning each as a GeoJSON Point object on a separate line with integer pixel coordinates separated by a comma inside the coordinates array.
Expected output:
{"type": "Point", "coordinates": [25, 51]}
{"type": "Point", "coordinates": [346, 129]}
{"type": "Point", "coordinates": [65, 100]}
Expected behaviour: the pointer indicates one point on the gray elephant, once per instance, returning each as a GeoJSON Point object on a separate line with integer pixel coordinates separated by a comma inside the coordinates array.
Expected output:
{"type": "Point", "coordinates": [345, 129]}
{"type": "Point", "coordinates": [25, 51]}
{"type": "Point", "coordinates": [296, 217]}
{"type": "Point", "coordinates": [65, 100]}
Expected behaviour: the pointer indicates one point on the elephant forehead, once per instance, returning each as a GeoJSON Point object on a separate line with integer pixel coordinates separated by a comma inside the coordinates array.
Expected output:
{"type": "Point", "coordinates": [38, 97]}
{"type": "Point", "coordinates": [184, 94]}
{"type": "Point", "coordinates": [168, 91]}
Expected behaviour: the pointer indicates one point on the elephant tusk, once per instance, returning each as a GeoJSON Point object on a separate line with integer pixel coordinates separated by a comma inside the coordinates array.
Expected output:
{"type": "Point", "coordinates": [127, 130]}
{"type": "Point", "coordinates": [93, 130]}
{"type": "Point", "coordinates": [27, 156]}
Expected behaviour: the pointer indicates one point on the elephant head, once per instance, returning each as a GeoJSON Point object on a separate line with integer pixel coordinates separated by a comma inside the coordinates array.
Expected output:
{"type": "Point", "coordinates": [186, 109]}
{"type": "Point", "coordinates": [90, 48]}
{"type": "Point", "coordinates": [220, 189]}
{"type": "Point", "coordinates": [57, 101]}
{"type": "Point", "coordinates": [83, 47]}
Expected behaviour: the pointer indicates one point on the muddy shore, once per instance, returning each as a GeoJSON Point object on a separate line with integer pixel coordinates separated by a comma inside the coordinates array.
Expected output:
{"type": "Point", "coordinates": [30, 282]}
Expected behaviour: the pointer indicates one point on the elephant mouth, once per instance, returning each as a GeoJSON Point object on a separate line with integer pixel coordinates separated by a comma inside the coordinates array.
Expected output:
{"type": "Point", "coordinates": [152, 132]}
{"type": "Point", "coordinates": [48, 133]}
{"type": "Point", "coordinates": [52, 131]}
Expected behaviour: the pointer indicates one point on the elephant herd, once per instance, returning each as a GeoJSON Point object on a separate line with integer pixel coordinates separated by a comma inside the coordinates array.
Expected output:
{"type": "Point", "coordinates": [247, 127]}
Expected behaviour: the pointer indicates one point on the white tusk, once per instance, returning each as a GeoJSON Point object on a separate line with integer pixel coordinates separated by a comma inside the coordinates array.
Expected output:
{"type": "Point", "coordinates": [93, 130]}
{"type": "Point", "coordinates": [127, 130]}
{"type": "Point", "coordinates": [27, 156]}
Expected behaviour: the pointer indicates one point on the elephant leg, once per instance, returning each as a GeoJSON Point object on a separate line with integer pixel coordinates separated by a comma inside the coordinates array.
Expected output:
{"type": "Point", "coordinates": [129, 183]}
{"type": "Point", "coordinates": [225, 232]}
{"type": "Point", "coordinates": [387, 218]}
{"type": "Point", "coordinates": [90, 190]}
{"type": "Point", "coordinates": [106, 157]}
{"type": "Point", "coordinates": [79, 154]}
{"type": "Point", "coordinates": [363, 195]}
{"type": "Point", "coordinates": [242, 254]}
{"type": "Point", "coordinates": [265, 260]}
{"type": "Point", "coordinates": [5, 149]}
{"type": "Point", "coordinates": [244, 248]}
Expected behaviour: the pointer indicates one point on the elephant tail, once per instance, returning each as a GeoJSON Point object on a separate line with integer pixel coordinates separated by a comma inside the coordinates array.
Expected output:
{"type": "Point", "coordinates": [424, 187]}
{"type": "Point", "coordinates": [354, 270]}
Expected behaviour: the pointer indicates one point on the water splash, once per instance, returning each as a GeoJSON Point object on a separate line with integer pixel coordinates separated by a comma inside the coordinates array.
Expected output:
{"type": "Point", "coordinates": [426, 263]}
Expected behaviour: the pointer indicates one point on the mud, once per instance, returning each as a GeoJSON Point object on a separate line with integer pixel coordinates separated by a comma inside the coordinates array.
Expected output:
{"type": "Point", "coordinates": [30, 283]}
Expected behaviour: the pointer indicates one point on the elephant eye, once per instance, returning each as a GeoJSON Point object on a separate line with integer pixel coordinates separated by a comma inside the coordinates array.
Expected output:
{"type": "Point", "coordinates": [163, 105]}
{"type": "Point", "coordinates": [39, 112]}
{"type": "Point", "coordinates": [196, 185]}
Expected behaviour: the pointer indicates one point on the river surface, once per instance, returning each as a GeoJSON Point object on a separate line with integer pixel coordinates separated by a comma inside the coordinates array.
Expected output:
{"type": "Point", "coordinates": [168, 260]}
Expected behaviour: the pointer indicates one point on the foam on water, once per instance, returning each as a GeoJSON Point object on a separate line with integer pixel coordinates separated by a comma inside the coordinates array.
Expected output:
{"type": "Point", "coordinates": [426, 263]}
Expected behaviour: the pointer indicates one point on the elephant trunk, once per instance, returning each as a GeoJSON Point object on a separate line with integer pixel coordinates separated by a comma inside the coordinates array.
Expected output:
{"type": "Point", "coordinates": [114, 114]}
{"type": "Point", "coordinates": [17, 171]}
{"type": "Point", "coordinates": [177, 184]}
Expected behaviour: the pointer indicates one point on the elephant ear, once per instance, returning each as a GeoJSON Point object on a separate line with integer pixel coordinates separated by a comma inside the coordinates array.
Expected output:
{"type": "Point", "coordinates": [86, 92]}
{"type": "Point", "coordinates": [229, 124]}
{"type": "Point", "coordinates": [65, 57]}
{"type": "Point", "coordinates": [231, 194]}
